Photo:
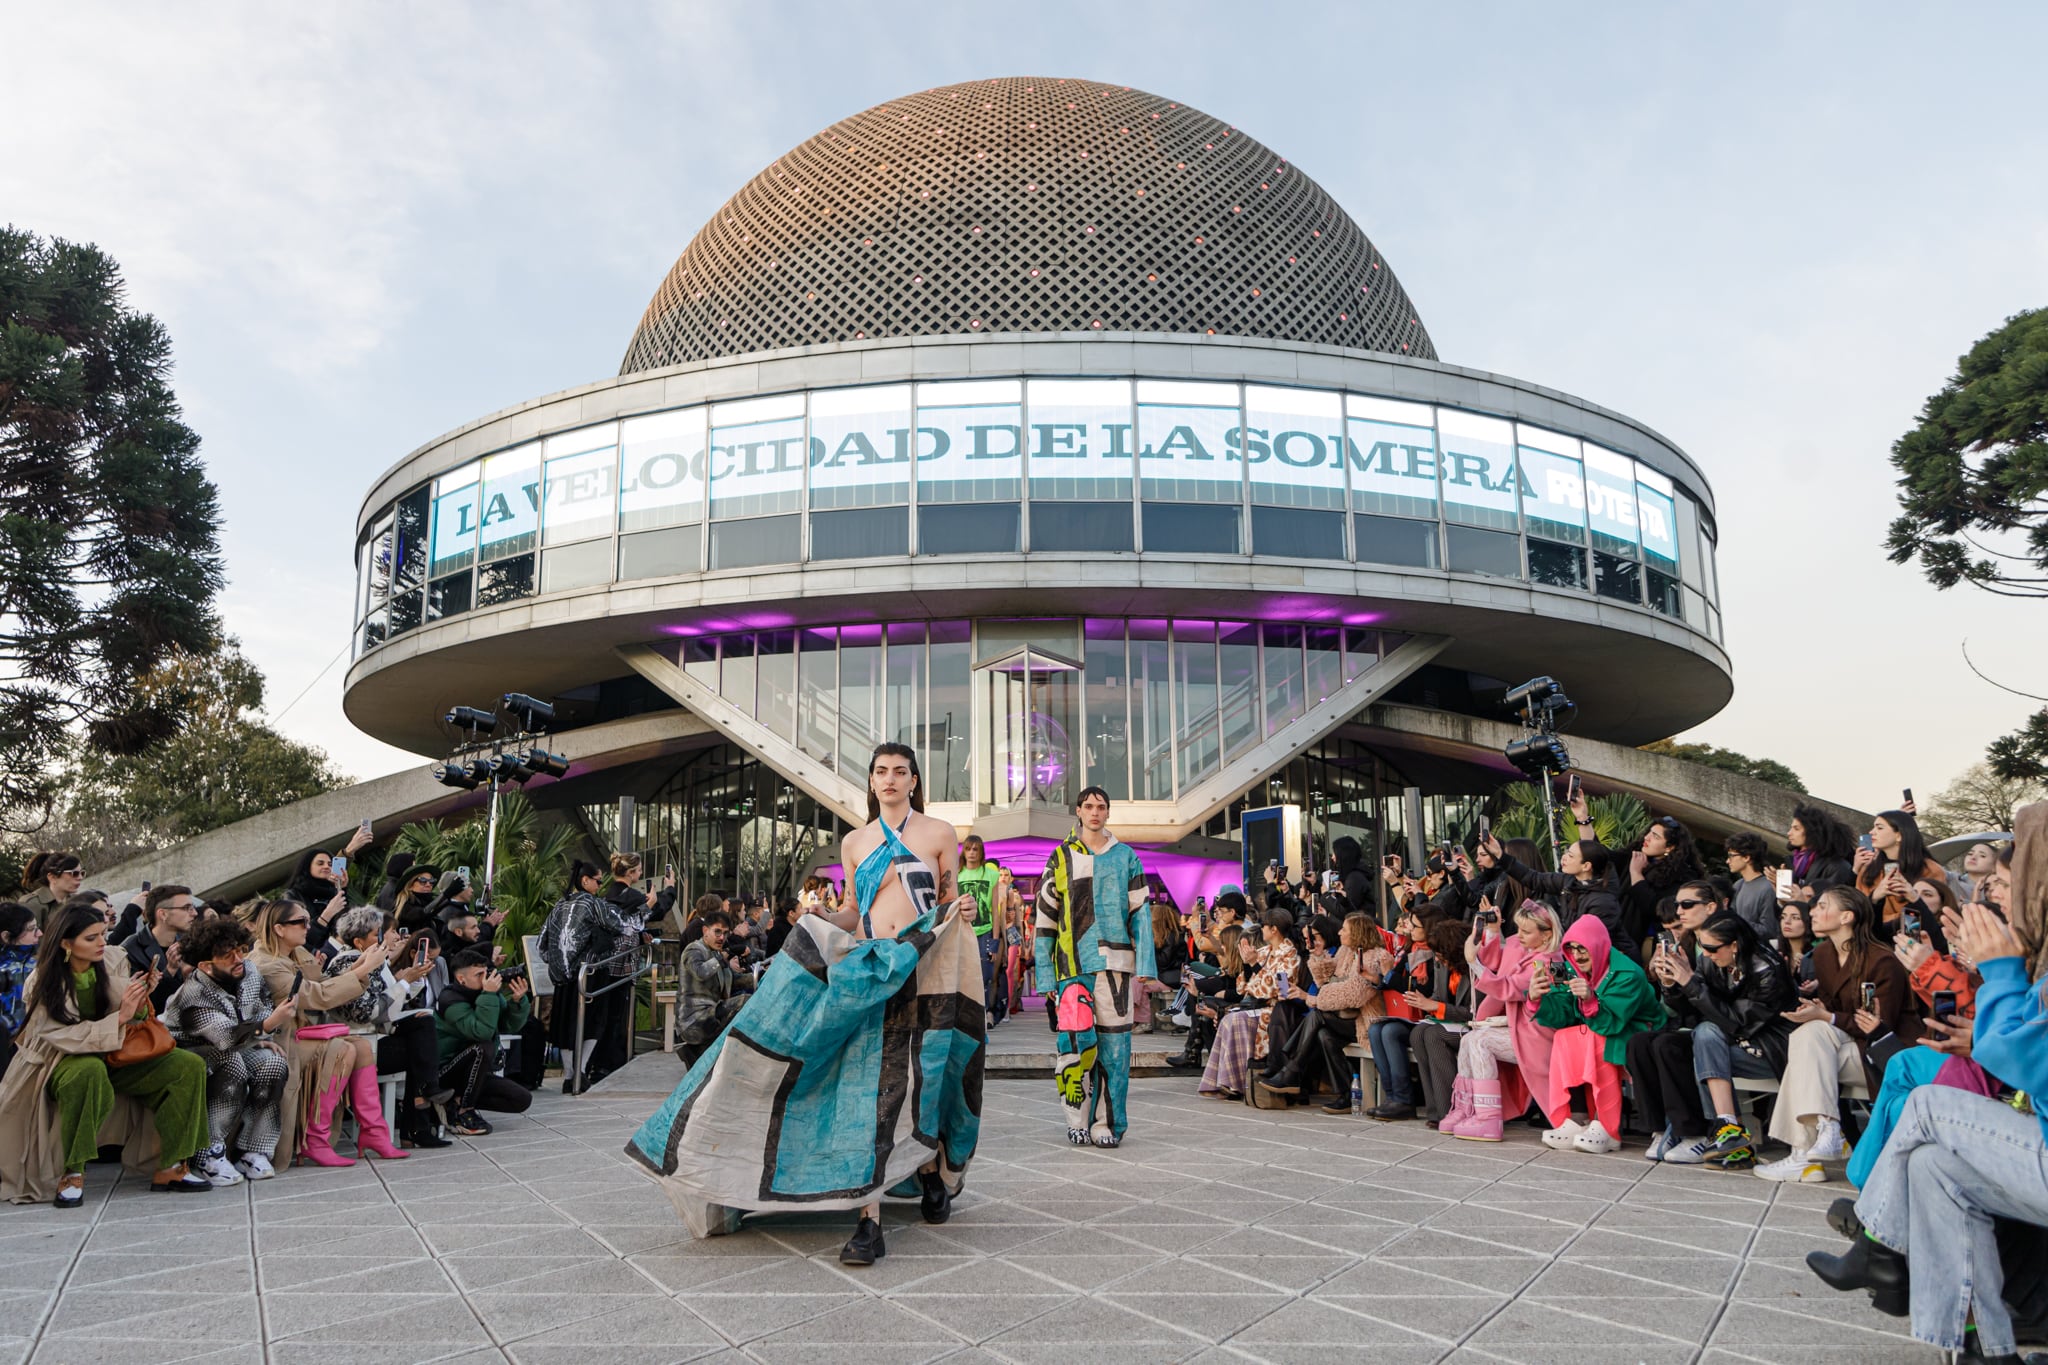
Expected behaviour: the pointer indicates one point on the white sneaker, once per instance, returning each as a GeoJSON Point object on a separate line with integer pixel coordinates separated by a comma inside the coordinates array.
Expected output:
{"type": "Point", "coordinates": [217, 1169]}
{"type": "Point", "coordinates": [1595, 1139]}
{"type": "Point", "coordinates": [1560, 1138]}
{"type": "Point", "coordinates": [1181, 1020]}
{"type": "Point", "coordinates": [255, 1166]}
{"type": "Point", "coordinates": [1690, 1153]}
{"type": "Point", "coordinates": [1796, 1169]}
{"type": "Point", "coordinates": [1661, 1144]}
{"type": "Point", "coordinates": [1828, 1143]}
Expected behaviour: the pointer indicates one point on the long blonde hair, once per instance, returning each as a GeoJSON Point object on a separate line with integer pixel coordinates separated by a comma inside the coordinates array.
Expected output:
{"type": "Point", "coordinates": [265, 924]}
{"type": "Point", "coordinates": [1228, 960]}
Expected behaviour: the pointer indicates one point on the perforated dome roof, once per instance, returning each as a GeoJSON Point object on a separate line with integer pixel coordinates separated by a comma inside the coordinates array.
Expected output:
{"type": "Point", "coordinates": [1026, 204]}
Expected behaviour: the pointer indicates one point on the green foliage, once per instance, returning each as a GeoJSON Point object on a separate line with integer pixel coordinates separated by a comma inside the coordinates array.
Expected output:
{"type": "Point", "coordinates": [1977, 466]}
{"type": "Point", "coordinates": [1728, 761]}
{"type": "Point", "coordinates": [532, 869]}
{"type": "Point", "coordinates": [224, 764]}
{"type": "Point", "coordinates": [1619, 819]}
{"type": "Point", "coordinates": [2022, 756]}
{"type": "Point", "coordinates": [109, 560]}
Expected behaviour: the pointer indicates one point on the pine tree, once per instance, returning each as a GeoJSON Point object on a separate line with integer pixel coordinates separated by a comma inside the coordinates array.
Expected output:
{"type": "Point", "coordinates": [109, 559]}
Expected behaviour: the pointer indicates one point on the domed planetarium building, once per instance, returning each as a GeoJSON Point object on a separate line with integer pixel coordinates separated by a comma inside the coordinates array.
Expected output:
{"type": "Point", "coordinates": [1071, 436]}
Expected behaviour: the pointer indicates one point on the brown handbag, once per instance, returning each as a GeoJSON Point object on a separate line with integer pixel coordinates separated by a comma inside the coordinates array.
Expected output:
{"type": "Point", "coordinates": [144, 1040]}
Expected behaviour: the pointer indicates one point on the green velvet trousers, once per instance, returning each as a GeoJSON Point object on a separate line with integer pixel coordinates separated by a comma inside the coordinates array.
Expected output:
{"type": "Point", "coordinates": [172, 1087]}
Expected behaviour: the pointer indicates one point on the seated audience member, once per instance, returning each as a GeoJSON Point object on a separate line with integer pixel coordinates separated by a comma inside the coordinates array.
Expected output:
{"type": "Point", "coordinates": [1440, 1024]}
{"type": "Point", "coordinates": [1284, 1029]}
{"type": "Point", "coordinates": [1978, 860]}
{"type": "Point", "coordinates": [787, 912]}
{"type": "Point", "coordinates": [322, 890]}
{"type": "Point", "coordinates": [51, 878]}
{"type": "Point", "coordinates": [1693, 905]}
{"type": "Point", "coordinates": [167, 912]}
{"type": "Point", "coordinates": [411, 898]}
{"type": "Point", "coordinates": [1169, 954]}
{"type": "Point", "coordinates": [713, 988]}
{"type": "Point", "coordinates": [18, 939]}
{"type": "Point", "coordinates": [1731, 991]}
{"type": "Point", "coordinates": [1885, 872]}
{"type": "Point", "coordinates": [224, 1014]}
{"type": "Point", "coordinates": [1594, 1000]}
{"type": "Point", "coordinates": [1241, 1032]}
{"type": "Point", "coordinates": [1756, 895]}
{"type": "Point", "coordinates": [1214, 994]}
{"type": "Point", "coordinates": [60, 1092]}
{"type": "Point", "coordinates": [1862, 998]}
{"type": "Point", "coordinates": [1926, 1226]}
{"type": "Point", "coordinates": [1502, 972]}
{"type": "Point", "coordinates": [703, 906]}
{"type": "Point", "coordinates": [327, 1064]}
{"type": "Point", "coordinates": [396, 1013]}
{"type": "Point", "coordinates": [460, 930]}
{"type": "Point", "coordinates": [1582, 885]}
{"type": "Point", "coordinates": [1347, 998]}
{"type": "Point", "coordinates": [479, 1005]}
{"type": "Point", "coordinates": [1794, 943]}
{"type": "Point", "coordinates": [1822, 850]}
{"type": "Point", "coordinates": [1418, 975]}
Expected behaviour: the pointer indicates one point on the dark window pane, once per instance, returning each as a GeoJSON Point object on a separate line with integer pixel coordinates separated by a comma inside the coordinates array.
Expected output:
{"type": "Point", "coordinates": [1620, 579]}
{"type": "Point", "coordinates": [1297, 533]}
{"type": "Point", "coordinates": [967, 528]}
{"type": "Point", "coordinates": [1194, 528]}
{"type": "Point", "coordinates": [860, 534]}
{"type": "Point", "coordinates": [756, 540]}
{"type": "Point", "coordinates": [507, 580]}
{"type": "Point", "coordinates": [373, 629]}
{"type": "Point", "coordinates": [1396, 540]}
{"type": "Point", "coordinates": [1471, 550]}
{"type": "Point", "coordinates": [1559, 566]}
{"type": "Point", "coordinates": [405, 612]}
{"type": "Point", "coordinates": [659, 554]}
{"type": "Point", "coordinates": [1663, 593]}
{"type": "Point", "coordinates": [448, 596]}
{"type": "Point", "coordinates": [1081, 526]}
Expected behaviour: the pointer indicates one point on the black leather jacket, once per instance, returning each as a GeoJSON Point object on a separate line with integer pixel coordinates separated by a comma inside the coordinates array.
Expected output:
{"type": "Point", "coordinates": [1746, 1010]}
{"type": "Point", "coordinates": [1595, 898]}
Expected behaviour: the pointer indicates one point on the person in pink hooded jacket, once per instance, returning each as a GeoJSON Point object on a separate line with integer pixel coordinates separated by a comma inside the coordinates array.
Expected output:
{"type": "Point", "coordinates": [1595, 999]}
{"type": "Point", "coordinates": [1484, 1093]}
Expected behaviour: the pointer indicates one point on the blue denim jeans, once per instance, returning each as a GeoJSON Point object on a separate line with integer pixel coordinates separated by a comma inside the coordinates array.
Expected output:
{"type": "Point", "coordinates": [1954, 1163]}
{"type": "Point", "coordinates": [1715, 1058]}
{"type": "Point", "coordinates": [1389, 1040]}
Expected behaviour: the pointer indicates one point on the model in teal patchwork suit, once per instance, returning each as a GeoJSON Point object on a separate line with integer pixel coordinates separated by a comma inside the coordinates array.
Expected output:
{"type": "Point", "coordinates": [1094, 935]}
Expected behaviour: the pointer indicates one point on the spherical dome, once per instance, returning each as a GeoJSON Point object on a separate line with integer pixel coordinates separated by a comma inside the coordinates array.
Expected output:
{"type": "Point", "coordinates": [1027, 204]}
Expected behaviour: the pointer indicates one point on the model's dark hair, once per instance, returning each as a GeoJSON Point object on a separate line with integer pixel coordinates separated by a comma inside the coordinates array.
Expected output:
{"type": "Point", "coordinates": [892, 750]}
{"type": "Point", "coordinates": [15, 920]}
{"type": "Point", "coordinates": [52, 984]}
{"type": "Point", "coordinates": [1087, 792]}
{"type": "Point", "coordinates": [210, 938]}
{"type": "Point", "coordinates": [1826, 837]}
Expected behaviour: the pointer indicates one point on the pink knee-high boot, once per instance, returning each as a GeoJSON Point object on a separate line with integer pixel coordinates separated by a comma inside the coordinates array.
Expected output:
{"type": "Point", "coordinates": [318, 1146]}
{"type": "Point", "coordinates": [1461, 1107]}
{"type": "Point", "coordinates": [373, 1134]}
{"type": "Point", "coordinates": [1484, 1124]}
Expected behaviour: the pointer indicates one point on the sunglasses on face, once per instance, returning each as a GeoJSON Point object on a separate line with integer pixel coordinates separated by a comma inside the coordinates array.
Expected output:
{"type": "Point", "coordinates": [1692, 905]}
{"type": "Point", "coordinates": [288, 923]}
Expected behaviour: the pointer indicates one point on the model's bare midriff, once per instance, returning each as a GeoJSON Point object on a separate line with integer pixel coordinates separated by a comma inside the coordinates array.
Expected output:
{"type": "Point", "coordinates": [933, 840]}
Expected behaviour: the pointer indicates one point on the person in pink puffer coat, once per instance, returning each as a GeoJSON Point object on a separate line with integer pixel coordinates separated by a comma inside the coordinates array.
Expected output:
{"type": "Point", "coordinates": [1501, 1064]}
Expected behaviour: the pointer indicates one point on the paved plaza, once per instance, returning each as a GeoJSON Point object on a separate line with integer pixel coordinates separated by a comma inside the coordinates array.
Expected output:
{"type": "Point", "coordinates": [1217, 1234]}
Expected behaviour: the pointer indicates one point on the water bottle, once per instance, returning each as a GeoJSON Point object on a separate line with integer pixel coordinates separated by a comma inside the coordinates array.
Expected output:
{"type": "Point", "coordinates": [1357, 1095]}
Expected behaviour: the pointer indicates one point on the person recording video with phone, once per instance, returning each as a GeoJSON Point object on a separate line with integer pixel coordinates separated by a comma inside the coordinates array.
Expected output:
{"type": "Point", "coordinates": [1584, 882]}
{"type": "Point", "coordinates": [1886, 870]}
{"type": "Point", "coordinates": [396, 1010]}
{"type": "Point", "coordinates": [480, 1004]}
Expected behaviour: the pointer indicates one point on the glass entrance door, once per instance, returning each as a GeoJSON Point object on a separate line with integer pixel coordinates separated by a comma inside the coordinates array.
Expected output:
{"type": "Point", "coordinates": [1028, 704]}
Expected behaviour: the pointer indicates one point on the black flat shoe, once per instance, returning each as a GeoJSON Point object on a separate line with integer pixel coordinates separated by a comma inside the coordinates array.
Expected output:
{"type": "Point", "coordinates": [1867, 1265]}
{"type": "Point", "coordinates": [1842, 1218]}
{"type": "Point", "coordinates": [1388, 1113]}
{"type": "Point", "coordinates": [865, 1247]}
{"type": "Point", "coordinates": [936, 1204]}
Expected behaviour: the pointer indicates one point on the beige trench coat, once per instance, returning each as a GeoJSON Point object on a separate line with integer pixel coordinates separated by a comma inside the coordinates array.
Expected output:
{"type": "Point", "coordinates": [31, 1140]}
{"type": "Point", "coordinates": [314, 1064]}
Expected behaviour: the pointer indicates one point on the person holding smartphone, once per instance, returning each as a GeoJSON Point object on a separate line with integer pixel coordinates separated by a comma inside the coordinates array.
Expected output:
{"type": "Point", "coordinates": [1897, 857]}
{"type": "Point", "coordinates": [1862, 998]}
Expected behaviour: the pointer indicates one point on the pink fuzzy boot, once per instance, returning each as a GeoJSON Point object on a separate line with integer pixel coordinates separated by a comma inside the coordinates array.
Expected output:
{"type": "Point", "coordinates": [1484, 1124]}
{"type": "Point", "coordinates": [1461, 1107]}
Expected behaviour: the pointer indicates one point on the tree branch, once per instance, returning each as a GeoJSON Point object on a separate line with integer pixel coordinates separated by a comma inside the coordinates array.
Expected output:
{"type": "Point", "coordinates": [2030, 696]}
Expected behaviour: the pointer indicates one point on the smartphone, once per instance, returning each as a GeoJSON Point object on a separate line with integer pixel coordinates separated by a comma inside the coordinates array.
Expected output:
{"type": "Point", "coordinates": [1907, 793]}
{"type": "Point", "coordinates": [1890, 868]}
{"type": "Point", "coordinates": [1668, 941]}
{"type": "Point", "coordinates": [340, 863]}
{"type": "Point", "coordinates": [1870, 995]}
{"type": "Point", "coordinates": [1280, 982]}
{"type": "Point", "coordinates": [1783, 880]}
{"type": "Point", "coordinates": [1571, 789]}
{"type": "Point", "coordinates": [1485, 829]}
{"type": "Point", "coordinates": [1909, 922]}
{"type": "Point", "coordinates": [463, 873]}
{"type": "Point", "coordinates": [1863, 841]}
{"type": "Point", "coordinates": [365, 830]}
{"type": "Point", "coordinates": [669, 871]}
{"type": "Point", "coordinates": [1488, 917]}
{"type": "Point", "coordinates": [1944, 1006]}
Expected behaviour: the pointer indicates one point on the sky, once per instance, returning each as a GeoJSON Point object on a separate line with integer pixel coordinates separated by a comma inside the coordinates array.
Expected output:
{"type": "Point", "coordinates": [1766, 231]}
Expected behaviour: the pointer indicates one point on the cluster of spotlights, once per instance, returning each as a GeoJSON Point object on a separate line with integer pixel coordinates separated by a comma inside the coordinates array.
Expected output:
{"type": "Point", "coordinates": [526, 716]}
{"type": "Point", "coordinates": [1544, 707]}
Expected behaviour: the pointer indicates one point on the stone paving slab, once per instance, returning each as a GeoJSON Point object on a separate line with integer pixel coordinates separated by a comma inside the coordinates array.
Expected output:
{"type": "Point", "coordinates": [1217, 1233]}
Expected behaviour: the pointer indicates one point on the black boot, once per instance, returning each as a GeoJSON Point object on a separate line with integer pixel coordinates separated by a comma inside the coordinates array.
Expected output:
{"type": "Point", "coordinates": [1871, 1265]}
{"type": "Point", "coordinates": [936, 1204]}
{"type": "Point", "coordinates": [865, 1246]}
{"type": "Point", "coordinates": [1190, 1051]}
{"type": "Point", "coordinates": [1286, 1081]}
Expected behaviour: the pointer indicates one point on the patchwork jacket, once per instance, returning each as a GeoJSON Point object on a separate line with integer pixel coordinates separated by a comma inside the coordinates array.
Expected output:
{"type": "Point", "coordinates": [1092, 915]}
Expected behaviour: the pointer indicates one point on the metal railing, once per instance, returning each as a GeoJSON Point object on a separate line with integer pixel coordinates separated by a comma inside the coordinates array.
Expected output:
{"type": "Point", "coordinates": [628, 956]}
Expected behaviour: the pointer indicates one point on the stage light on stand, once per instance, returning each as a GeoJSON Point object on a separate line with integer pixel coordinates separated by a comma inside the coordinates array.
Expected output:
{"type": "Point", "coordinates": [475, 720]}
{"type": "Point", "coordinates": [455, 775]}
{"type": "Point", "coordinates": [534, 715]}
{"type": "Point", "coordinates": [544, 764]}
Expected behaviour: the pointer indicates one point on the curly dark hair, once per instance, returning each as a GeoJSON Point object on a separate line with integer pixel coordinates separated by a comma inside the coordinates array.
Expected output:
{"type": "Point", "coordinates": [1681, 860]}
{"type": "Point", "coordinates": [1826, 837]}
{"type": "Point", "coordinates": [210, 938]}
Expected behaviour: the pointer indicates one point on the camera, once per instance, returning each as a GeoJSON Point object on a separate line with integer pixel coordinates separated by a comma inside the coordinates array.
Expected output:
{"type": "Point", "coordinates": [1488, 917]}
{"type": "Point", "coordinates": [513, 971]}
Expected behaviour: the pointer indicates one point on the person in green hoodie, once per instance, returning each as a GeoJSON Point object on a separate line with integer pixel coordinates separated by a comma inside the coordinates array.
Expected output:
{"type": "Point", "coordinates": [977, 878]}
{"type": "Point", "coordinates": [479, 1005]}
{"type": "Point", "coordinates": [1597, 1000]}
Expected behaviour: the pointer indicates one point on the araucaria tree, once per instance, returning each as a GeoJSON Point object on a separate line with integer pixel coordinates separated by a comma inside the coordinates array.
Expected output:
{"type": "Point", "coordinates": [1973, 476]}
{"type": "Point", "coordinates": [109, 560]}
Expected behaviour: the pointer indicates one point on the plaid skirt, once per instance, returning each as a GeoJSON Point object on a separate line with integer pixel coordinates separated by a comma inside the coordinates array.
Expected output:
{"type": "Point", "coordinates": [1240, 1036]}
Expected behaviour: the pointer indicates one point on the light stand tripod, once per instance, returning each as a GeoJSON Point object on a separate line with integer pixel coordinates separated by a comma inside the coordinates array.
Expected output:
{"type": "Point", "coordinates": [1540, 755]}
